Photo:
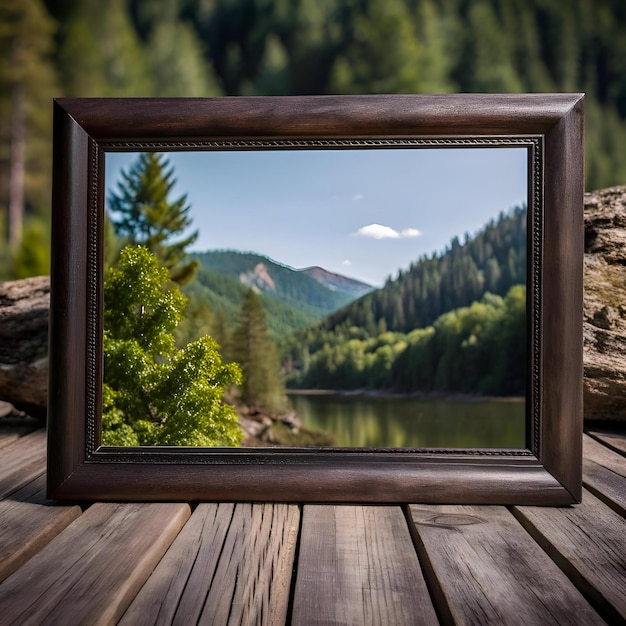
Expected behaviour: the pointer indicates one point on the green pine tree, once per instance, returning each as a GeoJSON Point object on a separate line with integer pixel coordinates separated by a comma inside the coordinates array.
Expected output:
{"type": "Point", "coordinates": [27, 86]}
{"type": "Point", "coordinates": [100, 53]}
{"type": "Point", "coordinates": [256, 353]}
{"type": "Point", "coordinates": [176, 63]}
{"type": "Point", "coordinates": [383, 54]}
{"type": "Point", "coordinates": [142, 213]}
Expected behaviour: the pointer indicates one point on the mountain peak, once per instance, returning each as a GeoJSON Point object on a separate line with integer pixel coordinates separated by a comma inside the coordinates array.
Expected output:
{"type": "Point", "coordinates": [337, 282]}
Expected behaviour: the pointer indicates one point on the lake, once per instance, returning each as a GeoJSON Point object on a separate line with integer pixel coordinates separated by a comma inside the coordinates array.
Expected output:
{"type": "Point", "coordinates": [409, 422]}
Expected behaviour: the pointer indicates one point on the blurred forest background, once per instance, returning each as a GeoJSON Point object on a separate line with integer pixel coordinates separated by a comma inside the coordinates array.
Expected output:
{"type": "Point", "coordinates": [51, 48]}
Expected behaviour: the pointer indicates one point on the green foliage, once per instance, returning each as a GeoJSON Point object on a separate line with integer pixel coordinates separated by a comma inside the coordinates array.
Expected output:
{"type": "Point", "coordinates": [256, 353]}
{"type": "Point", "coordinates": [142, 213]}
{"type": "Point", "coordinates": [176, 64]}
{"type": "Point", "coordinates": [480, 348]}
{"type": "Point", "coordinates": [226, 294]}
{"type": "Point", "coordinates": [33, 255]}
{"type": "Point", "coordinates": [27, 86]}
{"type": "Point", "coordinates": [7, 266]}
{"type": "Point", "coordinates": [154, 393]}
{"type": "Point", "coordinates": [384, 54]}
{"type": "Point", "coordinates": [99, 53]}
{"type": "Point", "coordinates": [489, 53]}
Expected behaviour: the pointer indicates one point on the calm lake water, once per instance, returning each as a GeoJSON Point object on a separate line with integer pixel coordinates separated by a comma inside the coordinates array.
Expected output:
{"type": "Point", "coordinates": [401, 422]}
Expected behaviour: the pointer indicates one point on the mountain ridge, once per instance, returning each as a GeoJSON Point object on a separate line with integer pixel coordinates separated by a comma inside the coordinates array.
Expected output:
{"type": "Point", "coordinates": [293, 298]}
{"type": "Point", "coordinates": [314, 287]}
{"type": "Point", "coordinates": [337, 282]}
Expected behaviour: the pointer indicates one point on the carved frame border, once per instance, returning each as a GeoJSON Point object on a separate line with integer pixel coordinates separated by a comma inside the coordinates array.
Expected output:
{"type": "Point", "coordinates": [87, 128]}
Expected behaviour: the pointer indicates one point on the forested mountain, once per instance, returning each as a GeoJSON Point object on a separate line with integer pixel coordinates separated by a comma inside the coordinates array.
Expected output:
{"type": "Point", "coordinates": [218, 298]}
{"type": "Point", "coordinates": [298, 288]}
{"type": "Point", "coordinates": [453, 322]}
{"type": "Point", "coordinates": [493, 260]}
{"type": "Point", "coordinates": [292, 298]}
{"type": "Point", "coordinates": [240, 47]}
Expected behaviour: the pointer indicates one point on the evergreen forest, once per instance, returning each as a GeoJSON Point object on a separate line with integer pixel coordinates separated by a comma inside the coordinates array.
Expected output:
{"type": "Point", "coordinates": [453, 322]}
{"type": "Point", "coordinates": [51, 48]}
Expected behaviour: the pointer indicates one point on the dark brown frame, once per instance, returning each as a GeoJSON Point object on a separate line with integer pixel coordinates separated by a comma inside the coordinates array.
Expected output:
{"type": "Point", "coordinates": [548, 471]}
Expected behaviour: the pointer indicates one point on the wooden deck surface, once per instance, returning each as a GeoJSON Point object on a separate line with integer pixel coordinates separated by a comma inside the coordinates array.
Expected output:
{"type": "Point", "coordinates": [226, 563]}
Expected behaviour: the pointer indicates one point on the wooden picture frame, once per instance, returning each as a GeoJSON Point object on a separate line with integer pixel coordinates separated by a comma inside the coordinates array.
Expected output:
{"type": "Point", "coordinates": [547, 472]}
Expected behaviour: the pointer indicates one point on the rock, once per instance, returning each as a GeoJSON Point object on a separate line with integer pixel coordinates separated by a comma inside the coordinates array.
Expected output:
{"type": "Point", "coordinates": [24, 308]}
{"type": "Point", "coordinates": [604, 327]}
{"type": "Point", "coordinates": [292, 421]}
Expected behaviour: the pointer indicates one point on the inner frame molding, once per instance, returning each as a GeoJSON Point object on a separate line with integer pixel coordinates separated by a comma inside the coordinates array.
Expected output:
{"type": "Point", "coordinates": [548, 471]}
{"type": "Point", "coordinates": [534, 145]}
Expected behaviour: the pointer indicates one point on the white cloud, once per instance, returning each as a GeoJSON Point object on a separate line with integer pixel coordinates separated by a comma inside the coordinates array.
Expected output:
{"type": "Point", "coordinates": [378, 231]}
{"type": "Point", "coordinates": [346, 262]}
{"type": "Point", "coordinates": [357, 196]}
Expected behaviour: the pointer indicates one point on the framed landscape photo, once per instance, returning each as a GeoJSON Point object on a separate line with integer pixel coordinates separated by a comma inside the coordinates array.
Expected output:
{"type": "Point", "coordinates": [317, 299]}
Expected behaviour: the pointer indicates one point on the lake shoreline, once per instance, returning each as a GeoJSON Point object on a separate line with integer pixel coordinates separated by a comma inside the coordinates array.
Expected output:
{"type": "Point", "coordinates": [426, 395]}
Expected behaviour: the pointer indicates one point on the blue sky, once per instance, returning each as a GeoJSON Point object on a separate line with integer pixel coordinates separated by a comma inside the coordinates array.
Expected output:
{"type": "Point", "coordinates": [361, 213]}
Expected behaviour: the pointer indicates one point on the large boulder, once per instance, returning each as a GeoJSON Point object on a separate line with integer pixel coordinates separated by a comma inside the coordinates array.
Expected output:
{"type": "Point", "coordinates": [604, 327]}
{"type": "Point", "coordinates": [24, 308]}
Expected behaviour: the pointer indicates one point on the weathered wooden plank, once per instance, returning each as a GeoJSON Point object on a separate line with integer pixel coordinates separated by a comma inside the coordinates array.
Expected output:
{"type": "Point", "coordinates": [194, 552]}
{"type": "Point", "coordinates": [615, 440]}
{"type": "Point", "coordinates": [231, 564]}
{"type": "Point", "coordinates": [595, 451]}
{"type": "Point", "coordinates": [22, 461]}
{"type": "Point", "coordinates": [588, 542]}
{"type": "Point", "coordinates": [357, 565]}
{"type": "Point", "coordinates": [28, 522]}
{"type": "Point", "coordinates": [94, 568]}
{"type": "Point", "coordinates": [483, 568]}
{"type": "Point", "coordinates": [258, 553]}
{"type": "Point", "coordinates": [605, 485]}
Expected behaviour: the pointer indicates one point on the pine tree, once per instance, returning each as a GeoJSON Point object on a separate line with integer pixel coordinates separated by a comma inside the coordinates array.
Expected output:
{"type": "Point", "coordinates": [488, 60]}
{"type": "Point", "coordinates": [257, 355]}
{"type": "Point", "coordinates": [100, 53]}
{"type": "Point", "coordinates": [142, 213]}
{"type": "Point", "coordinates": [383, 55]}
{"type": "Point", "coordinates": [27, 85]}
{"type": "Point", "coordinates": [176, 63]}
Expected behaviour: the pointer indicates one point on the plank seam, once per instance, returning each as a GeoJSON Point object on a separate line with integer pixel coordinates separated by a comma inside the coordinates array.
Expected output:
{"type": "Point", "coordinates": [437, 596]}
{"type": "Point", "coordinates": [607, 444]}
{"type": "Point", "coordinates": [612, 504]}
{"type": "Point", "coordinates": [595, 598]}
{"type": "Point", "coordinates": [294, 568]}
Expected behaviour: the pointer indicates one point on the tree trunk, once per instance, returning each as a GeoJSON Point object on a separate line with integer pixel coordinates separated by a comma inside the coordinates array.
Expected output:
{"type": "Point", "coordinates": [24, 344]}
{"type": "Point", "coordinates": [16, 175]}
